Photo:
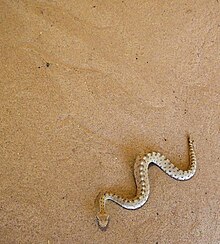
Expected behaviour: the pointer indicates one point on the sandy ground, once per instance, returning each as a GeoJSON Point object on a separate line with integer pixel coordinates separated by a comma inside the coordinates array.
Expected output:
{"type": "Point", "coordinates": [85, 86]}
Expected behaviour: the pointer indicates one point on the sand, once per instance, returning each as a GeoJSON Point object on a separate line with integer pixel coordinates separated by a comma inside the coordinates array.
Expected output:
{"type": "Point", "coordinates": [85, 86]}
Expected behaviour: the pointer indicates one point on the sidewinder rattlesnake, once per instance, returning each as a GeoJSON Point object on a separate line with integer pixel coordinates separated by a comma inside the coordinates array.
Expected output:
{"type": "Point", "coordinates": [142, 182]}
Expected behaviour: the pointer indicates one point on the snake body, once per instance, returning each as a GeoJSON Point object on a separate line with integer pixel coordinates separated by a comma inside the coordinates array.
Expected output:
{"type": "Point", "coordinates": [142, 182]}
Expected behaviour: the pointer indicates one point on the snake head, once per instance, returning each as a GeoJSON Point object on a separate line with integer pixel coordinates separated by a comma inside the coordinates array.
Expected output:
{"type": "Point", "coordinates": [103, 220]}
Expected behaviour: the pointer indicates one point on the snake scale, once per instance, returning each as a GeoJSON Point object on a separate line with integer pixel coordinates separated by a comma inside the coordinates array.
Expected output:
{"type": "Point", "coordinates": [142, 182]}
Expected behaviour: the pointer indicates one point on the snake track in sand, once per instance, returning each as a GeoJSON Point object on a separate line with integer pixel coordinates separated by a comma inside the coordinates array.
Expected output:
{"type": "Point", "coordinates": [142, 182]}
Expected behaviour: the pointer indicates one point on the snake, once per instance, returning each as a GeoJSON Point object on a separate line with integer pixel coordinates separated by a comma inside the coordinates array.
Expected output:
{"type": "Point", "coordinates": [141, 167]}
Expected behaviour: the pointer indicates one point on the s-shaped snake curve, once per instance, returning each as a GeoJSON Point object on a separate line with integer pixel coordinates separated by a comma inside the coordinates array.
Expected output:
{"type": "Point", "coordinates": [142, 182]}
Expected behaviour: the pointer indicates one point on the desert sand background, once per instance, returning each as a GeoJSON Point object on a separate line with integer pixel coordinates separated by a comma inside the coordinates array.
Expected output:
{"type": "Point", "coordinates": [85, 86]}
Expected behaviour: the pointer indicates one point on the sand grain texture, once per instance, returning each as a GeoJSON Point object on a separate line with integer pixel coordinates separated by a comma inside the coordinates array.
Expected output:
{"type": "Point", "coordinates": [85, 86]}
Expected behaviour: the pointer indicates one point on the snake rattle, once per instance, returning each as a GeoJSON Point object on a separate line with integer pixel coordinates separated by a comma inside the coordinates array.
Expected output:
{"type": "Point", "coordinates": [142, 182]}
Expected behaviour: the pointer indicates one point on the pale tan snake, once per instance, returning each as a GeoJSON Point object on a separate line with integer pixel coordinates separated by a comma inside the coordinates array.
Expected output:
{"type": "Point", "coordinates": [142, 182]}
